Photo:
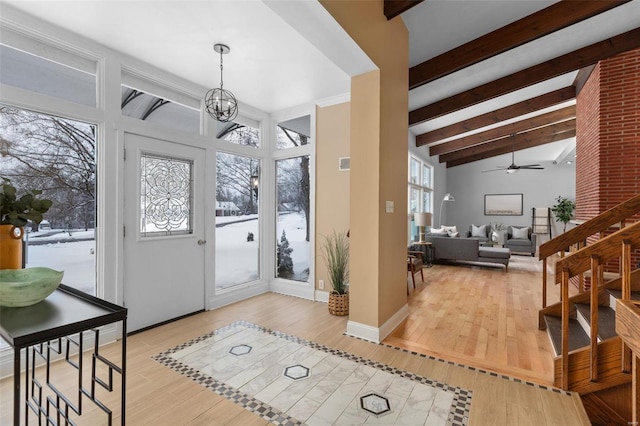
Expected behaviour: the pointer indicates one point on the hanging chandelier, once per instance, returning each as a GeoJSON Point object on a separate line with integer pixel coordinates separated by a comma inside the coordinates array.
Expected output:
{"type": "Point", "coordinates": [221, 105]}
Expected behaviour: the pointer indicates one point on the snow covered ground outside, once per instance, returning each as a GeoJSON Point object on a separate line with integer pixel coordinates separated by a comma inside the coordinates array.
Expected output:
{"type": "Point", "coordinates": [75, 258]}
{"type": "Point", "coordinates": [236, 258]}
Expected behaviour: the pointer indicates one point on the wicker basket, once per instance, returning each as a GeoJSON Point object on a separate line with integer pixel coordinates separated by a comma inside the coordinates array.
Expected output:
{"type": "Point", "coordinates": [339, 304]}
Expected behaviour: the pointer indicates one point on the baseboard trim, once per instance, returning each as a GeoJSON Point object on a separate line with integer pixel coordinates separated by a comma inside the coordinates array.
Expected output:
{"type": "Point", "coordinates": [321, 296]}
{"type": "Point", "coordinates": [377, 334]}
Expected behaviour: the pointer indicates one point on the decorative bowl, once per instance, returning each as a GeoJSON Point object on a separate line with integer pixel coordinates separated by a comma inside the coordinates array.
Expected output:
{"type": "Point", "coordinates": [25, 287]}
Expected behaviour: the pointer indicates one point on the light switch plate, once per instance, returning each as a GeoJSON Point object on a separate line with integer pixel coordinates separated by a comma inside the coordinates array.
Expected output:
{"type": "Point", "coordinates": [389, 207]}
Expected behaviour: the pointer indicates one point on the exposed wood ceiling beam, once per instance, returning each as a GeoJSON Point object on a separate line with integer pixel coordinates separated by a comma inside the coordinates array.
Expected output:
{"type": "Point", "coordinates": [582, 77]}
{"type": "Point", "coordinates": [553, 18]}
{"type": "Point", "coordinates": [532, 143]}
{"type": "Point", "coordinates": [393, 8]}
{"type": "Point", "coordinates": [535, 137]}
{"type": "Point", "coordinates": [502, 114]}
{"type": "Point", "coordinates": [563, 64]}
{"type": "Point", "coordinates": [541, 120]}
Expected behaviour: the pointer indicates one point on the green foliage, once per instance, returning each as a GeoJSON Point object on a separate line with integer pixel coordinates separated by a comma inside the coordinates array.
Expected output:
{"type": "Point", "coordinates": [285, 263]}
{"type": "Point", "coordinates": [18, 211]}
{"type": "Point", "coordinates": [563, 210]}
{"type": "Point", "coordinates": [335, 251]}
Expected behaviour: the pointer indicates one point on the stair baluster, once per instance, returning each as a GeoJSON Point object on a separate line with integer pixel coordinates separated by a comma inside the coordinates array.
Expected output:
{"type": "Point", "coordinates": [626, 295]}
{"type": "Point", "coordinates": [595, 283]}
{"type": "Point", "coordinates": [565, 328]}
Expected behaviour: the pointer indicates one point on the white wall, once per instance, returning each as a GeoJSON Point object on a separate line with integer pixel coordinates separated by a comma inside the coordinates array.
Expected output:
{"type": "Point", "coordinates": [468, 184]}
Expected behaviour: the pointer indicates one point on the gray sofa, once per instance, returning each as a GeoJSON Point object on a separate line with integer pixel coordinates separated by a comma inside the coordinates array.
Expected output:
{"type": "Point", "coordinates": [467, 249]}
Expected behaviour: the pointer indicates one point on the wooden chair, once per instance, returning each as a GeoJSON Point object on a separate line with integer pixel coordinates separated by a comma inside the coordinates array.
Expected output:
{"type": "Point", "coordinates": [414, 264]}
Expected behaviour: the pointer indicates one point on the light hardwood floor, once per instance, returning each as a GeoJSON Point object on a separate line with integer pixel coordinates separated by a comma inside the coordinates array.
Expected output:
{"type": "Point", "coordinates": [159, 396]}
{"type": "Point", "coordinates": [482, 316]}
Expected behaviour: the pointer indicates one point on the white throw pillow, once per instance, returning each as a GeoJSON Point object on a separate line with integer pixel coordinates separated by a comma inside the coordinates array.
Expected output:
{"type": "Point", "coordinates": [453, 234]}
{"type": "Point", "coordinates": [478, 231]}
{"type": "Point", "coordinates": [437, 231]}
{"type": "Point", "coordinates": [520, 233]}
{"type": "Point", "coordinates": [449, 229]}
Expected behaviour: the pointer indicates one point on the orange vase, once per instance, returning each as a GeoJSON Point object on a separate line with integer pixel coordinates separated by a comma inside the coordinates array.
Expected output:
{"type": "Point", "coordinates": [10, 247]}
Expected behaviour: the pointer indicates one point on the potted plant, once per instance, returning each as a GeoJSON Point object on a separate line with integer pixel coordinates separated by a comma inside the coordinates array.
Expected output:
{"type": "Point", "coordinates": [563, 209]}
{"type": "Point", "coordinates": [335, 251]}
{"type": "Point", "coordinates": [15, 213]}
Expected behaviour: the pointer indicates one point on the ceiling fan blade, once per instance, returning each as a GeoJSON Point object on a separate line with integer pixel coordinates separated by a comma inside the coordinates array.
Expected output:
{"type": "Point", "coordinates": [532, 167]}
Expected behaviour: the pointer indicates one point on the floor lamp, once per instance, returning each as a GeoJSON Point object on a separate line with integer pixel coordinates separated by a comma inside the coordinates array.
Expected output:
{"type": "Point", "coordinates": [447, 197]}
{"type": "Point", "coordinates": [422, 219]}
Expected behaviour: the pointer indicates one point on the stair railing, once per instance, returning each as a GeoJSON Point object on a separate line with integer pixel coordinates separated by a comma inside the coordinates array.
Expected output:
{"type": "Point", "coordinates": [592, 258]}
{"type": "Point", "coordinates": [578, 236]}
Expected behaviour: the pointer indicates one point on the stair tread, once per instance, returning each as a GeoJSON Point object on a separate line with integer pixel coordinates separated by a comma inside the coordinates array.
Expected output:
{"type": "Point", "coordinates": [635, 295]}
{"type": "Point", "coordinates": [578, 338]}
{"type": "Point", "coordinates": [606, 319]}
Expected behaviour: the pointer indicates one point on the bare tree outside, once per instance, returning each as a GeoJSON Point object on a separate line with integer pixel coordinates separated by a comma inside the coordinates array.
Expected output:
{"type": "Point", "coordinates": [55, 155]}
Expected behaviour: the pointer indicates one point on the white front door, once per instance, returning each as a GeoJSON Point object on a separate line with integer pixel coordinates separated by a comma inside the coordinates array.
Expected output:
{"type": "Point", "coordinates": [164, 243]}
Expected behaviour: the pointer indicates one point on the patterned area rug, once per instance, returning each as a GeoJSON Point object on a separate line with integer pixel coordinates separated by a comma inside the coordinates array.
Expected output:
{"type": "Point", "coordinates": [291, 381]}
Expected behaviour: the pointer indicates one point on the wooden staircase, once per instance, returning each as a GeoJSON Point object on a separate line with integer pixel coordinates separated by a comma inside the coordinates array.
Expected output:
{"type": "Point", "coordinates": [590, 357]}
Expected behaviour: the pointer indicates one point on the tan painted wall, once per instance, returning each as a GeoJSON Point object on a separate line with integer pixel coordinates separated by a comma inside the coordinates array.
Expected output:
{"type": "Point", "coordinates": [379, 132]}
{"type": "Point", "coordinates": [332, 185]}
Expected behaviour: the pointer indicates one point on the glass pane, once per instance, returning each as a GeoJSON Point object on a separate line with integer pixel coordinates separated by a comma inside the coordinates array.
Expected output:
{"type": "Point", "coordinates": [61, 162]}
{"type": "Point", "coordinates": [238, 134]}
{"type": "Point", "coordinates": [292, 133]}
{"type": "Point", "coordinates": [414, 171]}
{"type": "Point", "coordinates": [414, 200]}
{"type": "Point", "coordinates": [293, 219]}
{"type": "Point", "coordinates": [413, 230]}
{"type": "Point", "coordinates": [426, 176]}
{"type": "Point", "coordinates": [143, 106]}
{"type": "Point", "coordinates": [237, 231]}
{"type": "Point", "coordinates": [40, 75]}
{"type": "Point", "coordinates": [426, 201]}
{"type": "Point", "coordinates": [165, 196]}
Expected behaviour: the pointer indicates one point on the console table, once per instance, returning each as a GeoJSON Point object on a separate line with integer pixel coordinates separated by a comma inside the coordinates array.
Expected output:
{"type": "Point", "coordinates": [61, 324]}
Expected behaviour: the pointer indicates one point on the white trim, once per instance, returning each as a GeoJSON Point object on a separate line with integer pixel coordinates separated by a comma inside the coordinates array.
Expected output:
{"type": "Point", "coordinates": [377, 335]}
{"type": "Point", "coordinates": [334, 100]}
{"type": "Point", "coordinates": [393, 322]}
{"type": "Point", "coordinates": [227, 298]}
{"type": "Point", "coordinates": [363, 331]}
{"type": "Point", "coordinates": [322, 296]}
{"type": "Point", "coordinates": [292, 288]}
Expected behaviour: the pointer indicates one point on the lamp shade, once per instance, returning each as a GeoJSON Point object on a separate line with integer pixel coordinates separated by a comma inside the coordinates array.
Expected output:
{"type": "Point", "coordinates": [448, 197]}
{"type": "Point", "coordinates": [422, 219]}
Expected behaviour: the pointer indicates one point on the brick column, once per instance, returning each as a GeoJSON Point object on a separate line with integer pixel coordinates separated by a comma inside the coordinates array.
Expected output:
{"type": "Point", "coordinates": [608, 136]}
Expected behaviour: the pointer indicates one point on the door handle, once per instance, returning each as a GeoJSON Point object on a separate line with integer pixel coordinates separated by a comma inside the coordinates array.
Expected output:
{"type": "Point", "coordinates": [202, 242]}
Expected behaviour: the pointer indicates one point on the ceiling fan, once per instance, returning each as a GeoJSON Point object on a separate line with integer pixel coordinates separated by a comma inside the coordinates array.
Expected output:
{"type": "Point", "coordinates": [513, 168]}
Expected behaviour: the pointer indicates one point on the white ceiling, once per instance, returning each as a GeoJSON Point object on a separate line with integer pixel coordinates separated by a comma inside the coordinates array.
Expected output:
{"type": "Point", "coordinates": [286, 53]}
{"type": "Point", "coordinates": [270, 67]}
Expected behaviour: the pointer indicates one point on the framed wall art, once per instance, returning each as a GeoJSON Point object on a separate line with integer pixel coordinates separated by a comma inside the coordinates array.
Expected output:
{"type": "Point", "coordinates": [503, 205]}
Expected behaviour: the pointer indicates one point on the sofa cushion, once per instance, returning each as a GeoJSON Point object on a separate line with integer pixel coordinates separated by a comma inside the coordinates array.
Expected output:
{"type": "Point", "coordinates": [494, 252]}
{"type": "Point", "coordinates": [519, 242]}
